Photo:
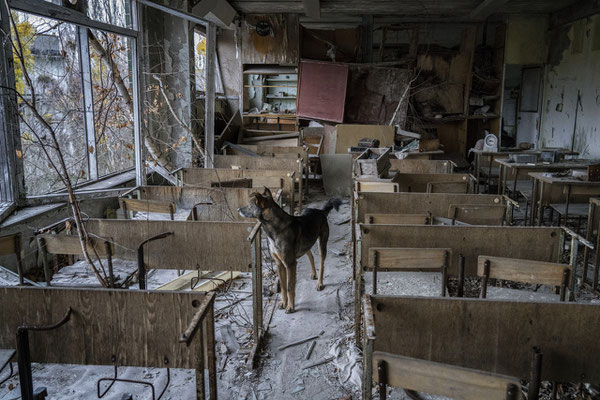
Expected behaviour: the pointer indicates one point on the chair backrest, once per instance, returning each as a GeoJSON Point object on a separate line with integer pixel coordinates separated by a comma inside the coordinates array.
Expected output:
{"type": "Point", "coordinates": [526, 271]}
{"type": "Point", "coordinates": [442, 379]}
{"type": "Point", "coordinates": [388, 259]}
{"type": "Point", "coordinates": [155, 206]}
{"type": "Point", "coordinates": [448, 187]}
{"type": "Point", "coordinates": [478, 214]}
{"type": "Point", "coordinates": [399, 219]}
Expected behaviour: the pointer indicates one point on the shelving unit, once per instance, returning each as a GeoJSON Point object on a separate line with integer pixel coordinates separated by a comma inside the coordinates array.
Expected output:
{"type": "Point", "coordinates": [270, 90]}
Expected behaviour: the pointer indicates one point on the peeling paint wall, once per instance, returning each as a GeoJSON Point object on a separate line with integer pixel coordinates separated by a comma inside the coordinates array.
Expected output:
{"type": "Point", "coordinates": [571, 103]}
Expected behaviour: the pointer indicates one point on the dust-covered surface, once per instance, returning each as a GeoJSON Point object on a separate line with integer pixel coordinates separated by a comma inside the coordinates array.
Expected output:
{"type": "Point", "coordinates": [281, 373]}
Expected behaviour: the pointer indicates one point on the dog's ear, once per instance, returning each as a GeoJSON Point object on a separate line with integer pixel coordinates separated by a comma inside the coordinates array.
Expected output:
{"type": "Point", "coordinates": [261, 201]}
{"type": "Point", "coordinates": [267, 192]}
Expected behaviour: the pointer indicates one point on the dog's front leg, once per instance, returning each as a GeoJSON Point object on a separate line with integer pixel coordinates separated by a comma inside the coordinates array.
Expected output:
{"type": "Point", "coordinates": [313, 271]}
{"type": "Point", "coordinates": [291, 286]}
{"type": "Point", "coordinates": [282, 272]}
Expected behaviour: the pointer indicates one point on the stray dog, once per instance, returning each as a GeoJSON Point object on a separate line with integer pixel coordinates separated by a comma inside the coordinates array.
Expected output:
{"type": "Point", "coordinates": [290, 238]}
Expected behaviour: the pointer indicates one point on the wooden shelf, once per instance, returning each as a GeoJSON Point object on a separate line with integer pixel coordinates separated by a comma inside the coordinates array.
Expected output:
{"type": "Point", "coordinates": [267, 86]}
{"type": "Point", "coordinates": [452, 118]}
{"type": "Point", "coordinates": [483, 116]}
{"type": "Point", "coordinates": [272, 96]}
{"type": "Point", "coordinates": [281, 80]}
{"type": "Point", "coordinates": [287, 116]}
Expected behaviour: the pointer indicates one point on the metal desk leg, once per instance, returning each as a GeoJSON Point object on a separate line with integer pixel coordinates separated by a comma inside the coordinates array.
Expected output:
{"type": "Point", "coordinates": [567, 205]}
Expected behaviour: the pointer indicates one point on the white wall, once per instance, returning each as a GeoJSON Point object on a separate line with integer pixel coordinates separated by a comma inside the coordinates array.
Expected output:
{"type": "Point", "coordinates": [573, 67]}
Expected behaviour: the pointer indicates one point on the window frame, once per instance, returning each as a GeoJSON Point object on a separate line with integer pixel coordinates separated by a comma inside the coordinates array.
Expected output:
{"type": "Point", "coordinates": [83, 22]}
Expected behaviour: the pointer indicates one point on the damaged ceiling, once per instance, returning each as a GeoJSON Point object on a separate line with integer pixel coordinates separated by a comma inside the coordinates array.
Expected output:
{"type": "Point", "coordinates": [341, 10]}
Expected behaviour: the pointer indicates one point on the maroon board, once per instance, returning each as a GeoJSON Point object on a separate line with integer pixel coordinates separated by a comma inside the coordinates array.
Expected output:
{"type": "Point", "coordinates": [322, 90]}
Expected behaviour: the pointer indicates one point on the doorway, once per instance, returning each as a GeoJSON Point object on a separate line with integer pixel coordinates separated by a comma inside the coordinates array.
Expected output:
{"type": "Point", "coordinates": [521, 108]}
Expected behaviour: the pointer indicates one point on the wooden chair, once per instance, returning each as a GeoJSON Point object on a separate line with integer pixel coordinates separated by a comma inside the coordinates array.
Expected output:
{"type": "Point", "coordinates": [413, 374]}
{"type": "Point", "coordinates": [478, 214]}
{"type": "Point", "coordinates": [526, 271]}
{"type": "Point", "coordinates": [71, 245]}
{"type": "Point", "coordinates": [408, 259]}
{"type": "Point", "coordinates": [11, 244]}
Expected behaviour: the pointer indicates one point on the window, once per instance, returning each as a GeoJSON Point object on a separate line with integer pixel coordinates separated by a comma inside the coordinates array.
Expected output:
{"type": "Point", "coordinates": [110, 56]}
{"type": "Point", "coordinates": [51, 58]}
{"type": "Point", "coordinates": [200, 65]}
{"type": "Point", "coordinates": [70, 76]}
{"type": "Point", "coordinates": [114, 12]}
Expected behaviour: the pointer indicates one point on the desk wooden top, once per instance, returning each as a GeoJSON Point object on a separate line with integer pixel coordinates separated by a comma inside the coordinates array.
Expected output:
{"type": "Point", "coordinates": [561, 180]}
{"type": "Point", "coordinates": [570, 164]}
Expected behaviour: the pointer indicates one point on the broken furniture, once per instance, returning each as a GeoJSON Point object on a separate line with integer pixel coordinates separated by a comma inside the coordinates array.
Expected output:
{"type": "Point", "coordinates": [467, 243]}
{"type": "Point", "coordinates": [391, 206]}
{"type": "Point", "coordinates": [79, 326]}
{"type": "Point", "coordinates": [497, 337]}
{"type": "Point", "coordinates": [484, 165]}
{"type": "Point", "coordinates": [297, 152]}
{"type": "Point", "coordinates": [549, 189]}
{"type": "Point", "coordinates": [524, 271]}
{"type": "Point", "coordinates": [521, 181]}
{"type": "Point", "coordinates": [373, 163]}
{"type": "Point", "coordinates": [265, 163]}
{"type": "Point", "coordinates": [408, 259]}
{"type": "Point", "coordinates": [193, 203]}
{"type": "Point", "coordinates": [180, 245]}
{"type": "Point", "coordinates": [11, 244]}
{"type": "Point", "coordinates": [421, 183]}
{"type": "Point", "coordinates": [313, 142]}
{"type": "Point", "coordinates": [422, 155]}
{"type": "Point", "coordinates": [209, 177]}
{"type": "Point", "coordinates": [416, 166]}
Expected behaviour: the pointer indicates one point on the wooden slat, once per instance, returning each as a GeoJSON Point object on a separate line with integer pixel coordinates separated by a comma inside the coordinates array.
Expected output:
{"type": "Point", "coordinates": [519, 270]}
{"type": "Point", "coordinates": [478, 214]}
{"type": "Point", "coordinates": [140, 328]}
{"type": "Point", "coordinates": [222, 202]}
{"type": "Point", "coordinates": [249, 162]}
{"type": "Point", "coordinates": [417, 203]}
{"type": "Point", "coordinates": [418, 182]}
{"type": "Point", "coordinates": [442, 379]}
{"type": "Point", "coordinates": [448, 187]}
{"type": "Point", "coordinates": [416, 166]}
{"type": "Point", "coordinates": [7, 245]}
{"type": "Point", "coordinates": [407, 259]}
{"type": "Point", "coordinates": [70, 244]}
{"type": "Point", "coordinates": [493, 336]}
{"type": "Point", "coordinates": [210, 246]}
{"type": "Point", "coordinates": [273, 179]}
{"type": "Point", "coordinates": [233, 183]}
{"type": "Point", "coordinates": [398, 219]}
{"type": "Point", "coordinates": [376, 186]}
{"type": "Point", "coordinates": [531, 243]}
{"type": "Point", "coordinates": [146, 205]}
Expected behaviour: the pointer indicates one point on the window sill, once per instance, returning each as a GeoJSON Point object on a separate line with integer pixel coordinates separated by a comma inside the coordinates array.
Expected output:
{"type": "Point", "coordinates": [111, 186]}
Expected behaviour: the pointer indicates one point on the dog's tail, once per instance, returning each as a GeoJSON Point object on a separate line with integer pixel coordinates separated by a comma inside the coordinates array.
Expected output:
{"type": "Point", "coordinates": [332, 203]}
